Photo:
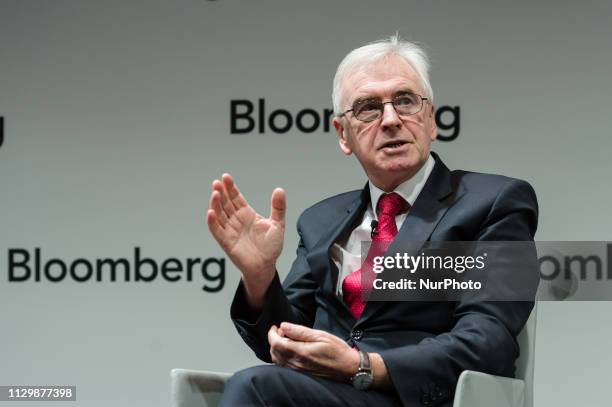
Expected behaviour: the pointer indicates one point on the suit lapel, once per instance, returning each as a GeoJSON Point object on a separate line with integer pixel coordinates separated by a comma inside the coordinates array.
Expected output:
{"type": "Point", "coordinates": [319, 257]}
{"type": "Point", "coordinates": [427, 210]}
{"type": "Point", "coordinates": [430, 206]}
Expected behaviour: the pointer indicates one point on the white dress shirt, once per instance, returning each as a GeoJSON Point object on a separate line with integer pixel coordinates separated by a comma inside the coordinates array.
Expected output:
{"type": "Point", "coordinates": [347, 254]}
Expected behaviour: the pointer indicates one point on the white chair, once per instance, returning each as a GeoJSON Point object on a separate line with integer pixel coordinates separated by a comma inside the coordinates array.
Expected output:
{"type": "Point", "coordinates": [476, 389]}
{"type": "Point", "coordinates": [196, 388]}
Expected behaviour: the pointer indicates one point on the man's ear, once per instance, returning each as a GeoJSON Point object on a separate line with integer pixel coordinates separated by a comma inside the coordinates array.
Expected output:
{"type": "Point", "coordinates": [434, 126]}
{"type": "Point", "coordinates": [342, 136]}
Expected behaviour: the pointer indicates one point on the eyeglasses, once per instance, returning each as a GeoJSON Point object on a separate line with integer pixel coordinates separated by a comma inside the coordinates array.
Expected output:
{"type": "Point", "coordinates": [368, 110]}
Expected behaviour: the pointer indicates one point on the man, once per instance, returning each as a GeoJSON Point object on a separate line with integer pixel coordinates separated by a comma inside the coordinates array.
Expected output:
{"type": "Point", "coordinates": [328, 346]}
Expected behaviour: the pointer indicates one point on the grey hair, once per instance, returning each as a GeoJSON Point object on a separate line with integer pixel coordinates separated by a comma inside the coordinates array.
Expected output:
{"type": "Point", "coordinates": [368, 54]}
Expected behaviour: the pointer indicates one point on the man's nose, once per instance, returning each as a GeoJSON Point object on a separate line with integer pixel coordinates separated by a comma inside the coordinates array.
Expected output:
{"type": "Point", "coordinates": [390, 118]}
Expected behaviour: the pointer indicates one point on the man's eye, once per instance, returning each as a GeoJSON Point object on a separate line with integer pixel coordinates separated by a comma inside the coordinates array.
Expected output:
{"type": "Point", "coordinates": [404, 100]}
{"type": "Point", "coordinates": [369, 106]}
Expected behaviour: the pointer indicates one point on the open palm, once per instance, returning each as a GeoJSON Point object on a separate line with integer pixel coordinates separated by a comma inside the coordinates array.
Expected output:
{"type": "Point", "coordinates": [252, 242]}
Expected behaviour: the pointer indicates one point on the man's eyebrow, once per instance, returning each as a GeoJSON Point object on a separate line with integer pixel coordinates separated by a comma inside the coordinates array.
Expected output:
{"type": "Point", "coordinates": [405, 91]}
{"type": "Point", "coordinates": [364, 98]}
{"type": "Point", "coordinates": [400, 92]}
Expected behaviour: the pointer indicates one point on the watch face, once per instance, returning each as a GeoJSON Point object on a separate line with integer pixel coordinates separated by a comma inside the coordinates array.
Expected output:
{"type": "Point", "coordinates": [362, 380]}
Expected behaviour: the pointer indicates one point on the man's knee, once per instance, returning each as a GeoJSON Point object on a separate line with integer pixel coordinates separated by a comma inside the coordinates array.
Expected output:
{"type": "Point", "coordinates": [255, 385]}
{"type": "Point", "coordinates": [246, 377]}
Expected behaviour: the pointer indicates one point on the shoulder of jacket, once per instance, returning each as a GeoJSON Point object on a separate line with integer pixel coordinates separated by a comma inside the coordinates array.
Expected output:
{"type": "Point", "coordinates": [481, 181]}
{"type": "Point", "coordinates": [328, 206]}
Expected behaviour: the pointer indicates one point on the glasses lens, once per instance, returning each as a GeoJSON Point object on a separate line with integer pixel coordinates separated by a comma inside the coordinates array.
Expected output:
{"type": "Point", "coordinates": [371, 109]}
{"type": "Point", "coordinates": [407, 104]}
{"type": "Point", "coordinates": [367, 110]}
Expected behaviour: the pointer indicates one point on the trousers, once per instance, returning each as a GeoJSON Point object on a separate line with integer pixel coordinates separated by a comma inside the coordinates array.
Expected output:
{"type": "Point", "coordinates": [277, 386]}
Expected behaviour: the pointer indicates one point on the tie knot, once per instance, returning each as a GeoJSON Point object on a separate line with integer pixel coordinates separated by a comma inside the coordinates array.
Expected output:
{"type": "Point", "coordinates": [391, 204]}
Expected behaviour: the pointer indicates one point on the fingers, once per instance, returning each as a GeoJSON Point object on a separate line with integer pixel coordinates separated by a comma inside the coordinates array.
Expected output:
{"type": "Point", "coordinates": [300, 333]}
{"type": "Point", "coordinates": [327, 358]}
{"type": "Point", "coordinates": [224, 200]}
{"type": "Point", "coordinates": [219, 213]}
{"type": "Point", "coordinates": [283, 350]}
{"type": "Point", "coordinates": [278, 351]}
{"type": "Point", "coordinates": [229, 198]}
{"type": "Point", "coordinates": [273, 330]}
{"type": "Point", "coordinates": [213, 224]}
{"type": "Point", "coordinates": [278, 205]}
{"type": "Point", "coordinates": [221, 204]}
{"type": "Point", "coordinates": [234, 195]}
{"type": "Point", "coordinates": [274, 339]}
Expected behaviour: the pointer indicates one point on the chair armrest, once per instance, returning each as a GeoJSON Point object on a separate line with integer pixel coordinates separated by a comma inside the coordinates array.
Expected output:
{"type": "Point", "coordinates": [191, 388]}
{"type": "Point", "coordinates": [477, 389]}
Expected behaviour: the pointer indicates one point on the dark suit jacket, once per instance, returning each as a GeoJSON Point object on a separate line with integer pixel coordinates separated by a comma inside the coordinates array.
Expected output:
{"type": "Point", "coordinates": [425, 345]}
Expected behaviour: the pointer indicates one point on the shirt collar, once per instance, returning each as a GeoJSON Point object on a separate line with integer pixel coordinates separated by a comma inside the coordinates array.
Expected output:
{"type": "Point", "coordinates": [409, 189]}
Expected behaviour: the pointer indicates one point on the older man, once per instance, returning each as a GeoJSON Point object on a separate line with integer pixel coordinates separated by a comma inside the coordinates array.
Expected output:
{"type": "Point", "coordinates": [329, 346]}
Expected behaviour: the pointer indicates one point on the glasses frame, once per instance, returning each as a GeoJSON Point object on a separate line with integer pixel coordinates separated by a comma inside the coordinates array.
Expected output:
{"type": "Point", "coordinates": [382, 110]}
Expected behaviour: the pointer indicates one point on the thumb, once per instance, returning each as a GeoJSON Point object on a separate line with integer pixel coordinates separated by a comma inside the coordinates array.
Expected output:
{"type": "Point", "coordinates": [278, 205]}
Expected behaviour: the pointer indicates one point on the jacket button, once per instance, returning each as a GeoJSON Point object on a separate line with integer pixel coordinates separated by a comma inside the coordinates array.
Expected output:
{"type": "Point", "coordinates": [357, 334]}
{"type": "Point", "coordinates": [425, 400]}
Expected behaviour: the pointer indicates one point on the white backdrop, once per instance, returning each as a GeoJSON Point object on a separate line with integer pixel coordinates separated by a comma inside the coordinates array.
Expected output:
{"type": "Point", "coordinates": [117, 119]}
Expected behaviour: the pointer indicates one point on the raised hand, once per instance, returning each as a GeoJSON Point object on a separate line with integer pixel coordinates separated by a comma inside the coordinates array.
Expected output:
{"type": "Point", "coordinates": [253, 243]}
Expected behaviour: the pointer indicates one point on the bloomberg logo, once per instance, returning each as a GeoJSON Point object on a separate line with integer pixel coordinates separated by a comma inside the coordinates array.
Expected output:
{"type": "Point", "coordinates": [247, 116]}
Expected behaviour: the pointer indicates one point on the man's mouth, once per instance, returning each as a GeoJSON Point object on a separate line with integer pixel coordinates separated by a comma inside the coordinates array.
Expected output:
{"type": "Point", "coordinates": [391, 145]}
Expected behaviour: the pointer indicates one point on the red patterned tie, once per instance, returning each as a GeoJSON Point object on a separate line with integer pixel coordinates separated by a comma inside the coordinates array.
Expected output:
{"type": "Point", "coordinates": [356, 286]}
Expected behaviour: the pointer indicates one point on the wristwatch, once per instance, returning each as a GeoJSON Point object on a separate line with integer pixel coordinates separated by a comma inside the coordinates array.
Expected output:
{"type": "Point", "coordinates": [362, 380]}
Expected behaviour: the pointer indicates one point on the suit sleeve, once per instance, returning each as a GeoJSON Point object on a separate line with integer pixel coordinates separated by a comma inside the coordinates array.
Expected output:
{"type": "Point", "coordinates": [296, 305]}
{"type": "Point", "coordinates": [483, 337]}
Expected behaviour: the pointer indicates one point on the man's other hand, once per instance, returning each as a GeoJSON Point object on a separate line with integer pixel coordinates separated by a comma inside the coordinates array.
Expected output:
{"type": "Point", "coordinates": [312, 351]}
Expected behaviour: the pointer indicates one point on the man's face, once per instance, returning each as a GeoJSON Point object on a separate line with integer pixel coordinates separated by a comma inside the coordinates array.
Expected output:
{"type": "Point", "coordinates": [391, 149]}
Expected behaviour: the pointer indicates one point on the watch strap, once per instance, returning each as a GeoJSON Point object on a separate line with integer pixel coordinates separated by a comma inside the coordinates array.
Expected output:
{"type": "Point", "coordinates": [364, 362]}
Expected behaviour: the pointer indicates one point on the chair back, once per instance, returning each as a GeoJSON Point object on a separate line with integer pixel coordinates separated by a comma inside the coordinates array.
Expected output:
{"type": "Point", "coordinates": [525, 362]}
